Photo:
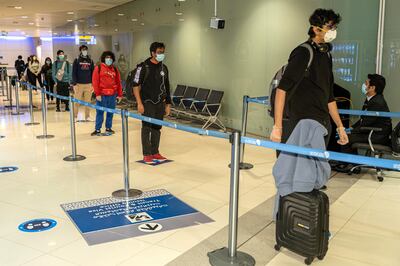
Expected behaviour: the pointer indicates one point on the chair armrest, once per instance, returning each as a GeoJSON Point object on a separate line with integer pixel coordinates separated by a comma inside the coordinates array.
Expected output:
{"type": "Point", "coordinates": [376, 129]}
{"type": "Point", "coordinates": [213, 104]}
{"type": "Point", "coordinates": [196, 101]}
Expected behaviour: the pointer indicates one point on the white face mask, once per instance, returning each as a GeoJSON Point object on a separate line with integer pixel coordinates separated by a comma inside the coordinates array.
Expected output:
{"type": "Point", "coordinates": [84, 52]}
{"type": "Point", "coordinates": [330, 35]}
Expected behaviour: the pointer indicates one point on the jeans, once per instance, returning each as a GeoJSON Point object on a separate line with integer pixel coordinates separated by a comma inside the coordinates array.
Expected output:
{"type": "Point", "coordinates": [108, 102]}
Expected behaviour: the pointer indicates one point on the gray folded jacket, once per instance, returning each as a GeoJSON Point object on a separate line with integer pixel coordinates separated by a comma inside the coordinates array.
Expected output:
{"type": "Point", "coordinates": [299, 173]}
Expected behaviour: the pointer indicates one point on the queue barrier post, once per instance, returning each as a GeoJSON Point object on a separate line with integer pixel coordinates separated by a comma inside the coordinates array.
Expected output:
{"type": "Point", "coordinates": [230, 256]}
{"type": "Point", "coordinates": [74, 156]}
{"type": "Point", "coordinates": [44, 118]}
{"type": "Point", "coordinates": [243, 165]}
{"type": "Point", "coordinates": [17, 112]}
{"type": "Point", "coordinates": [32, 123]}
{"type": "Point", "coordinates": [127, 192]}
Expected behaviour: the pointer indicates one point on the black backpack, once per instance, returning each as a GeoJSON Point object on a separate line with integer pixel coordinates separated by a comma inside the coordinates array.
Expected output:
{"type": "Point", "coordinates": [277, 79]}
{"type": "Point", "coordinates": [396, 139]}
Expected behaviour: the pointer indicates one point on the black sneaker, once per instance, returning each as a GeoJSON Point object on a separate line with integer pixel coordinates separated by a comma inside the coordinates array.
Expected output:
{"type": "Point", "coordinates": [96, 133]}
{"type": "Point", "coordinates": [66, 109]}
{"type": "Point", "coordinates": [324, 188]}
{"type": "Point", "coordinates": [109, 130]}
{"type": "Point", "coordinates": [58, 110]}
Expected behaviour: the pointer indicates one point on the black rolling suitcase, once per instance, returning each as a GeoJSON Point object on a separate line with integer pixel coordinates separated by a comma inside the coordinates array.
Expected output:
{"type": "Point", "coordinates": [302, 224]}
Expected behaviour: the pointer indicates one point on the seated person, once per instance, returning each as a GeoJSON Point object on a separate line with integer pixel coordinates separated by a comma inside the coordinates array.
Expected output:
{"type": "Point", "coordinates": [373, 89]}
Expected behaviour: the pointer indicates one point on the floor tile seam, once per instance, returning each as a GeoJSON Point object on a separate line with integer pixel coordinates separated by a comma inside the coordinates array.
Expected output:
{"type": "Point", "coordinates": [358, 209]}
{"type": "Point", "coordinates": [33, 210]}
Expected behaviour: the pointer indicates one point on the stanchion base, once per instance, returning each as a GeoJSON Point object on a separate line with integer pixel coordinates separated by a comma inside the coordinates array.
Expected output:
{"type": "Point", "coordinates": [17, 113]}
{"type": "Point", "coordinates": [130, 194]}
{"type": "Point", "coordinates": [9, 106]}
{"type": "Point", "coordinates": [220, 257]}
{"type": "Point", "coordinates": [244, 166]}
{"type": "Point", "coordinates": [32, 124]}
{"type": "Point", "coordinates": [71, 158]}
{"type": "Point", "coordinates": [45, 137]}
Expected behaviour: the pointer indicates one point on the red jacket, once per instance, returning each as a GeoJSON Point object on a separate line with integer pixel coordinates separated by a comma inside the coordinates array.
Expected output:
{"type": "Point", "coordinates": [107, 81]}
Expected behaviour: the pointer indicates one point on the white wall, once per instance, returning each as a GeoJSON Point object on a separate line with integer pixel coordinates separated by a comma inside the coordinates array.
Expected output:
{"type": "Point", "coordinates": [10, 49]}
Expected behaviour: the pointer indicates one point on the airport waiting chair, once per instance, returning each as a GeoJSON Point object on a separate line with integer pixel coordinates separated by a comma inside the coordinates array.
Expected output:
{"type": "Point", "coordinates": [178, 94]}
{"type": "Point", "coordinates": [195, 104]}
{"type": "Point", "coordinates": [211, 110]}
{"type": "Point", "coordinates": [189, 94]}
{"type": "Point", "coordinates": [375, 150]}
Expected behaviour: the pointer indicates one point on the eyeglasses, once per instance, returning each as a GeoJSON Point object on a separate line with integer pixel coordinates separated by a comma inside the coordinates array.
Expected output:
{"type": "Point", "coordinates": [330, 27]}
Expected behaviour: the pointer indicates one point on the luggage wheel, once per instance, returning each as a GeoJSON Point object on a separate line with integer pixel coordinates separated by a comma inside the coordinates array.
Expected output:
{"type": "Point", "coordinates": [309, 260]}
{"type": "Point", "coordinates": [321, 257]}
{"type": "Point", "coordinates": [380, 178]}
{"type": "Point", "coordinates": [277, 247]}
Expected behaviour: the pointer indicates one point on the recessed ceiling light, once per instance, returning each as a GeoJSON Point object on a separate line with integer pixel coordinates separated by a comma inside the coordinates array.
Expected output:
{"type": "Point", "coordinates": [142, 24]}
{"type": "Point", "coordinates": [70, 13]}
{"type": "Point", "coordinates": [116, 30]}
{"type": "Point", "coordinates": [81, 20]}
{"type": "Point", "coordinates": [181, 0]}
{"type": "Point", "coordinates": [49, 31]}
{"type": "Point", "coordinates": [69, 20]}
{"type": "Point", "coordinates": [134, 19]}
{"type": "Point", "coordinates": [24, 17]}
{"type": "Point", "coordinates": [179, 13]}
{"type": "Point", "coordinates": [96, 25]}
{"type": "Point", "coordinates": [31, 23]}
{"type": "Point", "coordinates": [18, 7]}
{"type": "Point", "coordinates": [120, 14]}
{"type": "Point", "coordinates": [181, 19]}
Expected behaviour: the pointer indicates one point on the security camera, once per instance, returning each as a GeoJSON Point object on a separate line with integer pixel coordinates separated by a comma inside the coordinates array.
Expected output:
{"type": "Point", "coordinates": [217, 23]}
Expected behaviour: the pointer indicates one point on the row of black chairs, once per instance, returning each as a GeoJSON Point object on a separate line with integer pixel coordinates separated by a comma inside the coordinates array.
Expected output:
{"type": "Point", "coordinates": [198, 103]}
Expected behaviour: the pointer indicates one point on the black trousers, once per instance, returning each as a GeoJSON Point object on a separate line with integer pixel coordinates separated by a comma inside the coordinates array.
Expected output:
{"type": "Point", "coordinates": [63, 90]}
{"type": "Point", "coordinates": [33, 79]}
{"type": "Point", "coordinates": [49, 88]}
{"type": "Point", "coordinates": [289, 125]}
{"type": "Point", "coordinates": [151, 133]}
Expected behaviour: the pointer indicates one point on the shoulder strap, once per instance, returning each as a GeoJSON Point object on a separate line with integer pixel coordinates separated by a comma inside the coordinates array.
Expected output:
{"type": "Point", "coordinates": [311, 51]}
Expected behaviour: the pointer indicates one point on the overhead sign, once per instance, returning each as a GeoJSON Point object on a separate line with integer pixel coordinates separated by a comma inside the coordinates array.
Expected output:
{"type": "Point", "coordinates": [110, 219]}
{"type": "Point", "coordinates": [8, 169]}
{"type": "Point", "coordinates": [37, 225]}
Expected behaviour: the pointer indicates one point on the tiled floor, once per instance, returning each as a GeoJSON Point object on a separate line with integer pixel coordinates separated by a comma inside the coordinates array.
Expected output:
{"type": "Point", "coordinates": [365, 219]}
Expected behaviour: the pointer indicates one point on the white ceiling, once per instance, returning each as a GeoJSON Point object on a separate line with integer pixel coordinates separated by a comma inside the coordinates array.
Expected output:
{"type": "Point", "coordinates": [39, 18]}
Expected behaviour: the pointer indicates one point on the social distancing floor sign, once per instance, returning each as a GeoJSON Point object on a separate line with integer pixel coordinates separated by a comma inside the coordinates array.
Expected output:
{"type": "Point", "coordinates": [109, 219]}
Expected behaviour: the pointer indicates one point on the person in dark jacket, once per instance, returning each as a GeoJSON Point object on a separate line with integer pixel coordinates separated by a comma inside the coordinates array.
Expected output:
{"type": "Point", "coordinates": [82, 72]}
{"type": "Point", "coordinates": [310, 91]}
{"type": "Point", "coordinates": [62, 72]}
{"type": "Point", "coordinates": [47, 73]}
{"type": "Point", "coordinates": [20, 67]}
{"type": "Point", "coordinates": [373, 89]}
{"type": "Point", "coordinates": [107, 87]}
{"type": "Point", "coordinates": [151, 88]}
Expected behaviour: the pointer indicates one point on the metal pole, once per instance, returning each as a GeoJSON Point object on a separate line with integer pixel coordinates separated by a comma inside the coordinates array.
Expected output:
{"type": "Point", "coordinates": [17, 112]}
{"type": "Point", "coordinates": [230, 255]}
{"type": "Point", "coordinates": [9, 92]}
{"type": "Point", "coordinates": [44, 118]}
{"type": "Point", "coordinates": [381, 31]}
{"type": "Point", "coordinates": [74, 157]}
{"type": "Point", "coordinates": [243, 165]}
{"type": "Point", "coordinates": [2, 82]}
{"type": "Point", "coordinates": [32, 123]}
{"type": "Point", "coordinates": [127, 192]}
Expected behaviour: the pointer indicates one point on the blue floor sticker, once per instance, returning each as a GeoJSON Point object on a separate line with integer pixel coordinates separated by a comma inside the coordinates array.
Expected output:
{"type": "Point", "coordinates": [8, 169]}
{"type": "Point", "coordinates": [37, 225]}
{"type": "Point", "coordinates": [109, 219]}
{"type": "Point", "coordinates": [156, 163]}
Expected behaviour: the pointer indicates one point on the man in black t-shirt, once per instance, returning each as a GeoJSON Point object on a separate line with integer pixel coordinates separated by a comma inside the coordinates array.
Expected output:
{"type": "Point", "coordinates": [309, 90]}
{"type": "Point", "coordinates": [152, 92]}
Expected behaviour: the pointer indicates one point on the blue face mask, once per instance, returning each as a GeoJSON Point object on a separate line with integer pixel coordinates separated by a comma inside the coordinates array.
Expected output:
{"type": "Point", "coordinates": [160, 57]}
{"type": "Point", "coordinates": [364, 89]}
{"type": "Point", "coordinates": [109, 61]}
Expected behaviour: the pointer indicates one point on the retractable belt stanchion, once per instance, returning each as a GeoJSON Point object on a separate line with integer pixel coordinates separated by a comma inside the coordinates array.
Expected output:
{"type": "Point", "coordinates": [74, 157]}
{"type": "Point", "coordinates": [44, 118]}
{"type": "Point", "coordinates": [127, 192]}
{"type": "Point", "coordinates": [243, 165]}
{"type": "Point", "coordinates": [9, 92]}
{"type": "Point", "coordinates": [32, 123]}
{"type": "Point", "coordinates": [17, 112]}
{"type": "Point", "coordinates": [230, 256]}
{"type": "Point", "coordinates": [2, 82]}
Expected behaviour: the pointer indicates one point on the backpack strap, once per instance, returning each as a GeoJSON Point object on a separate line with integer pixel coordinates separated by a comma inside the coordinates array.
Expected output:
{"type": "Point", "coordinates": [311, 51]}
